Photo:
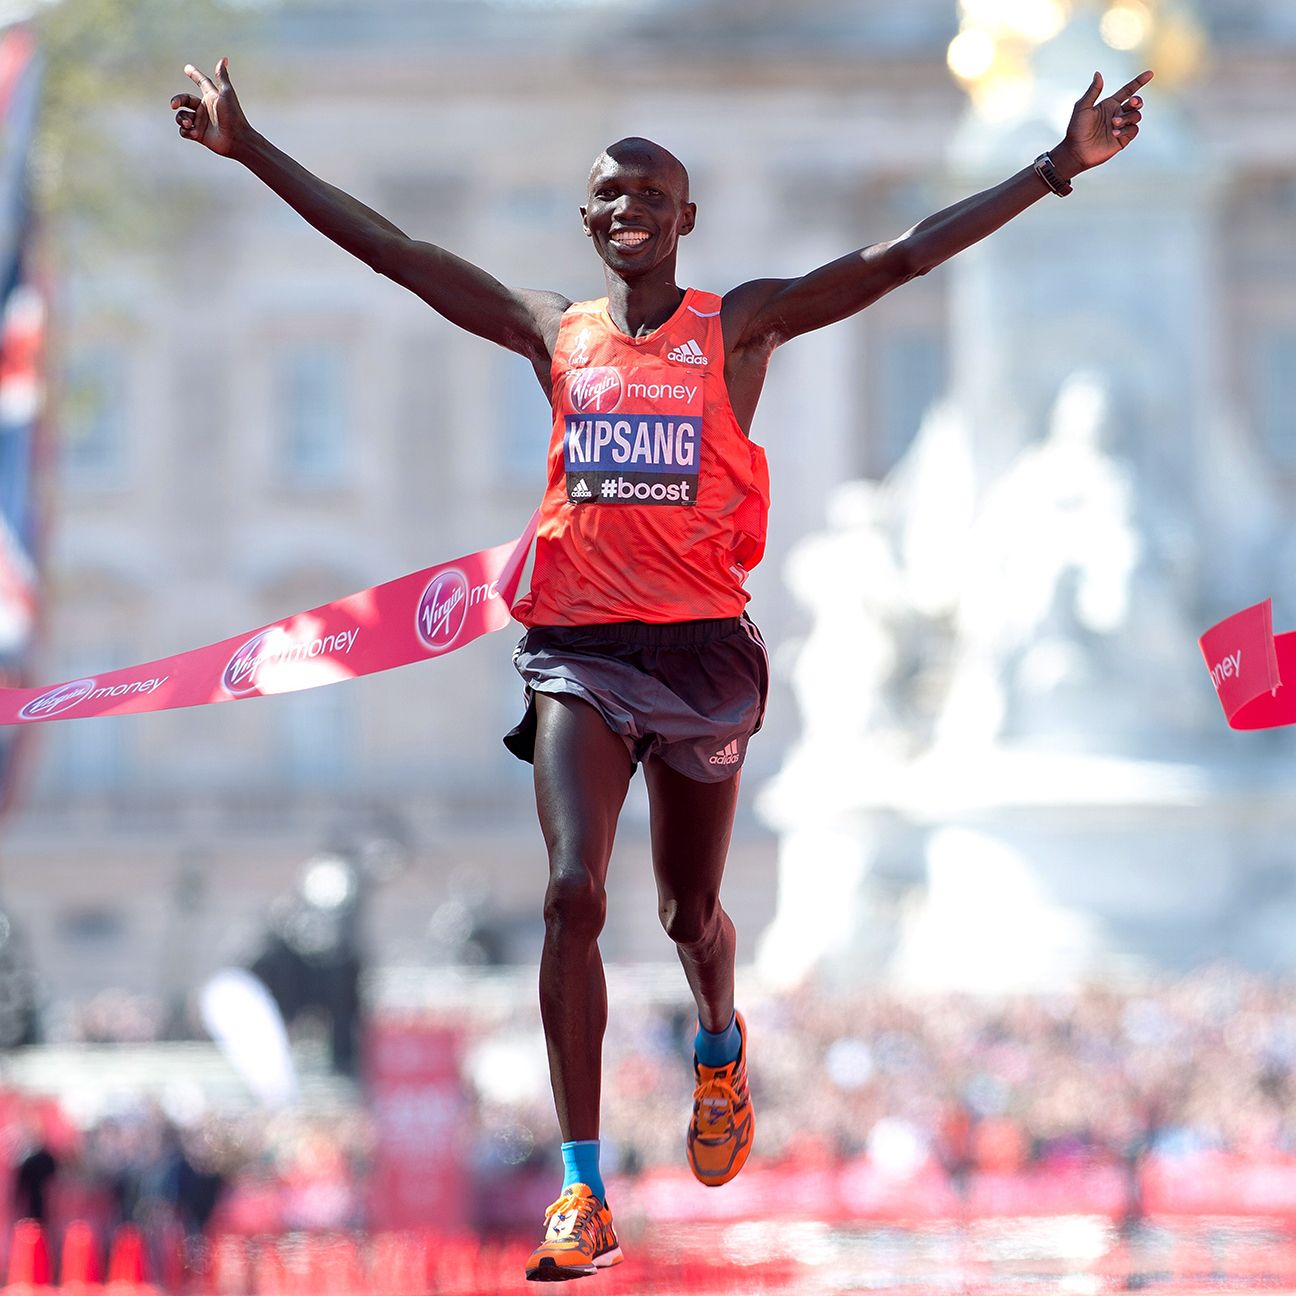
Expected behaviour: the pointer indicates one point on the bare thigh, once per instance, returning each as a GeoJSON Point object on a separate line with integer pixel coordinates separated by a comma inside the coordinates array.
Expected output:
{"type": "Point", "coordinates": [691, 826]}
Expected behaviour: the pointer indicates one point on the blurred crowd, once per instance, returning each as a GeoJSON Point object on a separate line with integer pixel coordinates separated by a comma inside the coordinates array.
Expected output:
{"type": "Point", "coordinates": [967, 1084]}
{"type": "Point", "coordinates": [1101, 1076]}
{"type": "Point", "coordinates": [248, 1172]}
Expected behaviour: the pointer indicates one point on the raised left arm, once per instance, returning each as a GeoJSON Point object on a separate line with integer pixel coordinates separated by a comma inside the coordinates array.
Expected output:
{"type": "Point", "coordinates": [767, 312]}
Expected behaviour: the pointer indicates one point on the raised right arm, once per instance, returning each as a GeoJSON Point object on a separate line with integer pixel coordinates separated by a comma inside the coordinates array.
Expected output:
{"type": "Point", "coordinates": [522, 320]}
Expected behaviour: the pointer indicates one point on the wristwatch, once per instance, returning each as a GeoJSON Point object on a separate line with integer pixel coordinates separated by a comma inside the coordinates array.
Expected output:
{"type": "Point", "coordinates": [1047, 172]}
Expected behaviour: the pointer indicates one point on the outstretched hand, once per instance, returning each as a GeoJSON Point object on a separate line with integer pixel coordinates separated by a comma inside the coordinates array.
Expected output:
{"type": "Point", "coordinates": [214, 118]}
{"type": "Point", "coordinates": [1100, 128]}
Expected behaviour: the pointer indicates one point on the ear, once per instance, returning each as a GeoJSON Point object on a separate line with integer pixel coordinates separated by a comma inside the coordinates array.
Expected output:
{"type": "Point", "coordinates": [585, 220]}
{"type": "Point", "coordinates": [688, 218]}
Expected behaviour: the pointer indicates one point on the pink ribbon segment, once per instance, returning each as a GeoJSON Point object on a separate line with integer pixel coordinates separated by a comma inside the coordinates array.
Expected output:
{"type": "Point", "coordinates": [1247, 665]}
{"type": "Point", "coordinates": [410, 619]}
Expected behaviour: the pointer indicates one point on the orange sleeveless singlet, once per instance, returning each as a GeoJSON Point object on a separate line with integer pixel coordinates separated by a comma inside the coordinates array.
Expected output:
{"type": "Point", "coordinates": [656, 501]}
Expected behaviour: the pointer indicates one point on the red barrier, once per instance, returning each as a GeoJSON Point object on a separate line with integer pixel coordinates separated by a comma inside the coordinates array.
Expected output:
{"type": "Point", "coordinates": [1271, 1265]}
{"type": "Point", "coordinates": [269, 1273]}
{"type": "Point", "coordinates": [335, 1267]}
{"type": "Point", "coordinates": [1115, 1265]}
{"type": "Point", "coordinates": [172, 1264]}
{"type": "Point", "coordinates": [397, 1265]}
{"type": "Point", "coordinates": [1074, 1190]}
{"type": "Point", "coordinates": [1192, 1261]}
{"type": "Point", "coordinates": [1191, 1244]}
{"type": "Point", "coordinates": [1213, 1183]}
{"type": "Point", "coordinates": [228, 1271]}
{"type": "Point", "coordinates": [1203, 1185]}
{"type": "Point", "coordinates": [417, 1098]}
{"type": "Point", "coordinates": [856, 1190]}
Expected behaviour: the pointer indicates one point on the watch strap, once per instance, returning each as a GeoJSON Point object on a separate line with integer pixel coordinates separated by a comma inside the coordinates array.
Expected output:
{"type": "Point", "coordinates": [1047, 172]}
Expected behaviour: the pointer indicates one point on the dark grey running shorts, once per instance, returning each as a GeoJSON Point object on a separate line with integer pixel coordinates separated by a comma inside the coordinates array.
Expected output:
{"type": "Point", "coordinates": [691, 692]}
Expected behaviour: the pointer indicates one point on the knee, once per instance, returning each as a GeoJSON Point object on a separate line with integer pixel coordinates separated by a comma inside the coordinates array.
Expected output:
{"type": "Point", "coordinates": [574, 902]}
{"type": "Point", "coordinates": [691, 922]}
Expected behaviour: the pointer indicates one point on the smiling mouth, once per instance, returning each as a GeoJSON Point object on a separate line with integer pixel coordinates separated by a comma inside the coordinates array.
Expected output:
{"type": "Point", "coordinates": [630, 238]}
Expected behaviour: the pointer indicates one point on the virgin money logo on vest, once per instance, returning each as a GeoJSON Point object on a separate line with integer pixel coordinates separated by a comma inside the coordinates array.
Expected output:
{"type": "Point", "coordinates": [57, 700]}
{"type": "Point", "coordinates": [633, 437]}
{"type": "Point", "coordinates": [596, 391]}
{"type": "Point", "coordinates": [442, 609]}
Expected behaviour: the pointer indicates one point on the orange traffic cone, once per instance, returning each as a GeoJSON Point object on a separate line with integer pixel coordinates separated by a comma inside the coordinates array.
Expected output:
{"type": "Point", "coordinates": [79, 1267]}
{"type": "Point", "coordinates": [128, 1264]}
{"type": "Point", "coordinates": [29, 1259]}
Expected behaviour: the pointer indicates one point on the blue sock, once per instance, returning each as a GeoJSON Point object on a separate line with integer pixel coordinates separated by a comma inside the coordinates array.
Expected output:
{"type": "Point", "coordinates": [581, 1165]}
{"type": "Point", "coordinates": [717, 1050]}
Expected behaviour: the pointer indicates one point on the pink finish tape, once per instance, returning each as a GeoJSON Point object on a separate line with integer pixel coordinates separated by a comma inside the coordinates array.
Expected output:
{"type": "Point", "coordinates": [1247, 665]}
{"type": "Point", "coordinates": [422, 615]}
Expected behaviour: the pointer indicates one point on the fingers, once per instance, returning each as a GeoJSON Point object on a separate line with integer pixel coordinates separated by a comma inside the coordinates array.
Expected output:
{"type": "Point", "coordinates": [197, 115]}
{"type": "Point", "coordinates": [200, 79]}
{"type": "Point", "coordinates": [1090, 96]}
{"type": "Point", "coordinates": [1130, 86]}
{"type": "Point", "coordinates": [192, 122]}
{"type": "Point", "coordinates": [1125, 122]}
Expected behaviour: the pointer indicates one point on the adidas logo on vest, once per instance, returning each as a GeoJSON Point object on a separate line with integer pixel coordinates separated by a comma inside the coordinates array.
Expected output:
{"type": "Point", "coordinates": [580, 490]}
{"type": "Point", "coordinates": [728, 755]}
{"type": "Point", "coordinates": [689, 352]}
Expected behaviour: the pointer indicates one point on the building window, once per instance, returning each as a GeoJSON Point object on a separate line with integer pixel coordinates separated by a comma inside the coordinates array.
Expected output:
{"type": "Point", "coordinates": [911, 377]}
{"type": "Point", "coordinates": [311, 413]}
{"type": "Point", "coordinates": [1274, 364]}
{"type": "Point", "coordinates": [83, 923]}
{"type": "Point", "coordinates": [524, 420]}
{"type": "Point", "coordinates": [318, 738]}
{"type": "Point", "coordinates": [537, 205]}
{"type": "Point", "coordinates": [89, 757]}
{"type": "Point", "coordinates": [93, 411]}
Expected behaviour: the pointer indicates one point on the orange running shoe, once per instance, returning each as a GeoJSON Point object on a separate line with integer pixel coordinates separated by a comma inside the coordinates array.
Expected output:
{"type": "Point", "coordinates": [579, 1238]}
{"type": "Point", "coordinates": [720, 1133]}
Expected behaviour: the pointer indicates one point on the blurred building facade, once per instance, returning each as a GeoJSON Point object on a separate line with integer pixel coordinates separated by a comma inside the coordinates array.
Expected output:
{"type": "Point", "coordinates": [254, 423]}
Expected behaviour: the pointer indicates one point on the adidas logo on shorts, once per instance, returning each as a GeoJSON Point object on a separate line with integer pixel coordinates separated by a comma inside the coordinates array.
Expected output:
{"type": "Point", "coordinates": [689, 352]}
{"type": "Point", "coordinates": [580, 491]}
{"type": "Point", "coordinates": [727, 755]}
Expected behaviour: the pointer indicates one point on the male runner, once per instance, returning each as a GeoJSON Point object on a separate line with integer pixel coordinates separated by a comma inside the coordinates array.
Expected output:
{"type": "Point", "coordinates": [637, 649]}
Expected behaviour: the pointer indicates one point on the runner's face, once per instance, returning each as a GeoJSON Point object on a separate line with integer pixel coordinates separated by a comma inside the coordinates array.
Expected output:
{"type": "Point", "coordinates": [637, 211]}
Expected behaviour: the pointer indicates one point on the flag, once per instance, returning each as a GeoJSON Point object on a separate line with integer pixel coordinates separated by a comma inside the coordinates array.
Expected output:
{"type": "Point", "coordinates": [22, 331]}
{"type": "Point", "coordinates": [22, 396]}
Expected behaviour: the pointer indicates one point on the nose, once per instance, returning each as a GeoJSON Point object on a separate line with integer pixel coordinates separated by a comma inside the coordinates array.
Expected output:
{"type": "Point", "coordinates": [626, 205]}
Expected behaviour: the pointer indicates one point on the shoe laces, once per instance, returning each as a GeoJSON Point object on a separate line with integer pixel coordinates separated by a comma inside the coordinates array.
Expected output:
{"type": "Point", "coordinates": [582, 1205]}
{"type": "Point", "coordinates": [715, 1100]}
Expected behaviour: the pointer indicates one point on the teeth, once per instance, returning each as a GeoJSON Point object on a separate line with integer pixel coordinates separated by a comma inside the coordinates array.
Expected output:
{"type": "Point", "coordinates": [629, 236]}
